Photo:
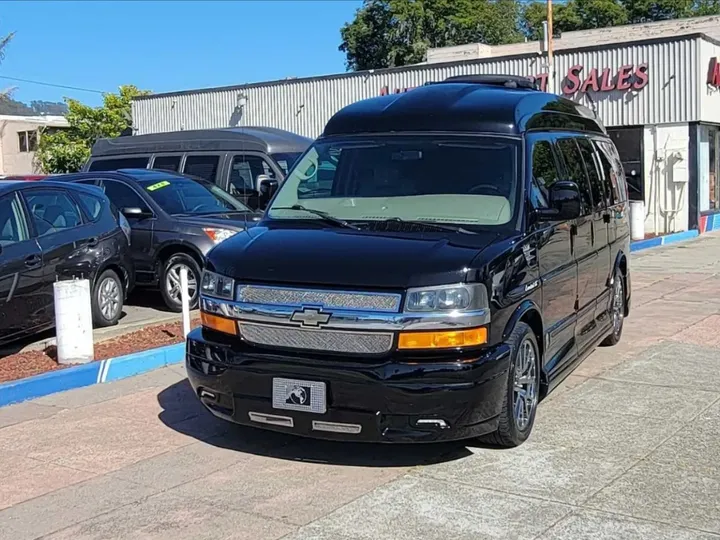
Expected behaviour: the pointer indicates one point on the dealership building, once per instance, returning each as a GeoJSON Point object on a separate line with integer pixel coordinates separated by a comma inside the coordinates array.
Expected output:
{"type": "Point", "coordinates": [655, 86]}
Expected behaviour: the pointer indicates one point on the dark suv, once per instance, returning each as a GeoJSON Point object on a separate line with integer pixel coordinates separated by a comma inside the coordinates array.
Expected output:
{"type": "Point", "coordinates": [420, 277]}
{"type": "Point", "coordinates": [174, 219]}
{"type": "Point", "coordinates": [51, 231]}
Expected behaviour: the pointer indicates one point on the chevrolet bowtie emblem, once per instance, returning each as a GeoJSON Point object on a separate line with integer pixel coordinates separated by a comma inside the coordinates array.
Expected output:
{"type": "Point", "coordinates": [310, 317]}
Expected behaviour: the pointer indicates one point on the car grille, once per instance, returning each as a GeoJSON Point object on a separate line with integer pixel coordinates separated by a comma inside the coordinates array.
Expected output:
{"type": "Point", "coordinates": [317, 340]}
{"type": "Point", "coordinates": [308, 297]}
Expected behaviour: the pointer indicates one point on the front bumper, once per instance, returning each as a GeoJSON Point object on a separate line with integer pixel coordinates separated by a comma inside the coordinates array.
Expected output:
{"type": "Point", "coordinates": [384, 397]}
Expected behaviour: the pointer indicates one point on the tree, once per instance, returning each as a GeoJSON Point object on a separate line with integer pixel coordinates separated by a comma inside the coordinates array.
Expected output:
{"type": "Point", "coordinates": [390, 33]}
{"type": "Point", "coordinates": [66, 150]}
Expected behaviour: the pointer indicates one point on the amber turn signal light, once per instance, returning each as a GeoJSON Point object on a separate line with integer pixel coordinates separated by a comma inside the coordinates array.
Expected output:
{"type": "Point", "coordinates": [221, 324]}
{"type": "Point", "coordinates": [442, 340]}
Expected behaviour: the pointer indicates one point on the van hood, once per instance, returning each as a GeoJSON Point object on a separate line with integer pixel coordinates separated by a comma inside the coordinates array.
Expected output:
{"type": "Point", "coordinates": [347, 258]}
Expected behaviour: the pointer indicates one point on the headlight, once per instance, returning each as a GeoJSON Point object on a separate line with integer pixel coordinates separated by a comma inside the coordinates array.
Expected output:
{"type": "Point", "coordinates": [218, 235]}
{"type": "Point", "coordinates": [216, 285]}
{"type": "Point", "coordinates": [447, 298]}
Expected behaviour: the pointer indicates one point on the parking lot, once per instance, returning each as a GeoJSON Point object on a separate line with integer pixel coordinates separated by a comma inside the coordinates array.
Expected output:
{"type": "Point", "coordinates": [626, 449]}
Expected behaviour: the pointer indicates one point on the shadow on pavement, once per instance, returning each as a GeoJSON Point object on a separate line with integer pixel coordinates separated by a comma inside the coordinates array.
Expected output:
{"type": "Point", "coordinates": [184, 413]}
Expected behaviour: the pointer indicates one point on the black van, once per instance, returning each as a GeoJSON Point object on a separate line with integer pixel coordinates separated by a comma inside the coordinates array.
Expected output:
{"type": "Point", "coordinates": [430, 269]}
{"type": "Point", "coordinates": [246, 162]}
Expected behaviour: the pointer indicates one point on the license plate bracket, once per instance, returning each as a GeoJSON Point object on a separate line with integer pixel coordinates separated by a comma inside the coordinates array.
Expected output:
{"type": "Point", "coordinates": [299, 395]}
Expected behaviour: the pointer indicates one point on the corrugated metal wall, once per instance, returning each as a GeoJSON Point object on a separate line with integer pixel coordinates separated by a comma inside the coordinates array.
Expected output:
{"type": "Point", "coordinates": [304, 105]}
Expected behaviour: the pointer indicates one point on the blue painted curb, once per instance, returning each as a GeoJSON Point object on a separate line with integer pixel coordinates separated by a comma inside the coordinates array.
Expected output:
{"type": "Point", "coordinates": [663, 240]}
{"type": "Point", "coordinates": [112, 369]}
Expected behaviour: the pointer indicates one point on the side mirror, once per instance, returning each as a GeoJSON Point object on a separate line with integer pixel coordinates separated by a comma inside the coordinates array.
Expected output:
{"type": "Point", "coordinates": [564, 202]}
{"type": "Point", "coordinates": [136, 212]}
{"type": "Point", "coordinates": [266, 188]}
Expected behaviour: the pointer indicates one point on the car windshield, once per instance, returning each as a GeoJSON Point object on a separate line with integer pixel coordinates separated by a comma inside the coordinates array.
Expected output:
{"type": "Point", "coordinates": [467, 181]}
{"type": "Point", "coordinates": [187, 196]}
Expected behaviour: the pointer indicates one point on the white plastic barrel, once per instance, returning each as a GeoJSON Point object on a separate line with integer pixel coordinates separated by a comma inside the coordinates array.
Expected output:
{"type": "Point", "coordinates": [637, 220]}
{"type": "Point", "coordinates": [73, 322]}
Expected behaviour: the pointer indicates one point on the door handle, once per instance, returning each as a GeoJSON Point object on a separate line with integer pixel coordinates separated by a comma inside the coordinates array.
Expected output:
{"type": "Point", "coordinates": [32, 261]}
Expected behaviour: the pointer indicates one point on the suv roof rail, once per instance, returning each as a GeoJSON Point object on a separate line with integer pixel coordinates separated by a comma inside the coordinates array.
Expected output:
{"type": "Point", "coordinates": [508, 81]}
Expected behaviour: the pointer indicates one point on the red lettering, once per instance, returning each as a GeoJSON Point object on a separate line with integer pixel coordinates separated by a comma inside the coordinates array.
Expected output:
{"type": "Point", "coordinates": [543, 78]}
{"type": "Point", "coordinates": [384, 91]}
{"type": "Point", "coordinates": [624, 76]}
{"type": "Point", "coordinates": [591, 82]}
{"type": "Point", "coordinates": [714, 73]}
{"type": "Point", "coordinates": [606, 82]}
{"type": "Point", "coordinates": [641, 77]}
{"type": "Point", "coordinates": [572, 81]}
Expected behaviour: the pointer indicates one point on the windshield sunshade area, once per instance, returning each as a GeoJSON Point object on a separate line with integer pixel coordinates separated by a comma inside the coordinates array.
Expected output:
{"type": "Point", "coordinates": [187, 196]}
{"type": "Point", "coordinates": [461, 180]}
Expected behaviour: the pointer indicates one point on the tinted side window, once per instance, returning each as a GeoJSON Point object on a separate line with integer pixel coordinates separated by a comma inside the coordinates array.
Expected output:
{"type": "Point", "coordinates": [591, 166]}
{"type": "Point", "coordinates": [167, 163]}
{"type": "Point", "coordinates": [114, 164]}
{"type": "Point", "coordinates": [13, 227]}
{"type": "Point", "coordinates": [121, 195]}
{"type": "Point", "coordinates": [576, 170]}
{"type": "Point", "coordinates": [243, 172]}
{"type": "Point", "coordinates": [617, 178]}
{"type": "Point", "coordinates": [544, 172]}
{"type": "Point", "coordinates": [204, 167]}
{"type": "Point", "coordinates": [52, 211]}
{"type": "Point", "coordinates": [92, 205]}
{"type": "Point", "coordinates": [612, 193]}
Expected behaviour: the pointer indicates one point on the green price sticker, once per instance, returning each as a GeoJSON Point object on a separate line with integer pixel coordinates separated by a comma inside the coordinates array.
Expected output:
{"type": "Point", "coordinates": [159, 185]}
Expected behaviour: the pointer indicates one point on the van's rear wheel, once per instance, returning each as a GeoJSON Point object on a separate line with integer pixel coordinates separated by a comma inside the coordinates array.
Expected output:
{"type": "Point", "coordinates": [522, 391]}
{"type": "Point", "coordinates": [617, 309]}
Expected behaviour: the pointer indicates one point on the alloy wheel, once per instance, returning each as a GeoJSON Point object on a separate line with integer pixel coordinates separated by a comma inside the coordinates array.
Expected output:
{"type": "Point", "coordinates": [618, 305]}
{"type": "Point", "coordinates": [172, 282]}
{"type": "Point", "coordinates": [525, 387]}
{"type": "Point", "coordinates": [109, 298]}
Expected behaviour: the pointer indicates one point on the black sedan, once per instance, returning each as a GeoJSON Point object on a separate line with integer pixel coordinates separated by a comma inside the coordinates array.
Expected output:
{"type": "Point", "coordinates": [175, 221]}
{"type": "Point", "coordinates": [51, 231]}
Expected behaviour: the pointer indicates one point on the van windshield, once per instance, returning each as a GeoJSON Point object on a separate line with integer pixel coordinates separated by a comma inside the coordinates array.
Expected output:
{"type": "Point", "coordinates": [469, 181]}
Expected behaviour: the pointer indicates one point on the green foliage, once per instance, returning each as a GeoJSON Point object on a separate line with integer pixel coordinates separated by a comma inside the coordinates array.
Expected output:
{"type": "Point", "coordinates": [66, 150]}
{"type": "Point", "coordinates": [389, 33]}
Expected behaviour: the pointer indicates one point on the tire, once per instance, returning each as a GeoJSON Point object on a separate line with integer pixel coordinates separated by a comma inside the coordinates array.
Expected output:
{"type": "Point", "coordinates": [617, 309]}
{"type": "Point", "coordinates": [513, 431]}
{"type": "Point", "coordinates": [107, 299]}
{"type": "Point", "coordinates": [170, 281]}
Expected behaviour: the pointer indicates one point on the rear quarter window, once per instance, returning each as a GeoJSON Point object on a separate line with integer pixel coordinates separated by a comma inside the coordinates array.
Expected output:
{"type": "Point", "coordinates": [91, 205]}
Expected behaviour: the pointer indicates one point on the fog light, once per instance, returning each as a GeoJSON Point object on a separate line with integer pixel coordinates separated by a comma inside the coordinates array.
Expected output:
{"type": "Point", "coordinates": [441, 340]}
{"type": "Point", "coordinates": [433, 422]}
{"type": "Point", "coordinates": [220, 324]}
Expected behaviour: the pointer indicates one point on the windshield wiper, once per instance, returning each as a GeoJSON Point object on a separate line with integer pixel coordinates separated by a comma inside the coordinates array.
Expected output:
{"type": "Point", "coordinates": [430, 224]}
{"type": "Point", "coordinates": [324, 215]}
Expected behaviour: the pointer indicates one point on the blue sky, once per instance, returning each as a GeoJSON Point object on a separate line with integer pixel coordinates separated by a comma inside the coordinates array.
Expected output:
{"type": "Point", "coordinates": [167, 45]}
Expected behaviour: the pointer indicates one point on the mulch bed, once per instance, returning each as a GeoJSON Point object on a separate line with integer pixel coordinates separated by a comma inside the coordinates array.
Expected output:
{"type": "Point", "coordinates": [27, 364]}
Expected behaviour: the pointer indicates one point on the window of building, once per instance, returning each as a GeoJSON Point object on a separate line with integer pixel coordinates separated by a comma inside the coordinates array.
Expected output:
{"type": "Point", "coordinates": [28, 140]}
{"type": "Point", "coordinates": [629, 144]}
{"type": "Point", "coordinates": [113, 164]}
{"type": "Point", "coordinates": [52, 211]}
{"type": "Point", "coordinates": [167, 163]}
{"type": "Point", "coordinates": [708, 167]}
{"type": "Point", "coordinates": [202, 166]}
{"type": "Point", "coordinates": [576, 171]}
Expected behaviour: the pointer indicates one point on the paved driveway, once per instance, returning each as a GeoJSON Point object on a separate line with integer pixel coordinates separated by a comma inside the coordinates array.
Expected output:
{"type": "Point", "coordinates": [627, 448]}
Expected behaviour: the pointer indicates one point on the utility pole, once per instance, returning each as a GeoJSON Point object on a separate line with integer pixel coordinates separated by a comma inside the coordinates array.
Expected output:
{"type": "Point", "coordinates": [551, 66]}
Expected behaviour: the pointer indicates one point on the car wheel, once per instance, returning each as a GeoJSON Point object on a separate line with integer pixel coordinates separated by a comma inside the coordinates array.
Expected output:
{"type": "Point", "coordinates": [170, 281]}
{"type": "Point", "coordinates": [522, 391]}
{"type": "Point", "coordinates": [617, 310]}
{"type": "Point", "coordinates": [107, 299]}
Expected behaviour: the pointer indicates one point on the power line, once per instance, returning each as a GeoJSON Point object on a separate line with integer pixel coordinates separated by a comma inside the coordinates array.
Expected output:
{"type": "Point", "coordinates": [53, 85]}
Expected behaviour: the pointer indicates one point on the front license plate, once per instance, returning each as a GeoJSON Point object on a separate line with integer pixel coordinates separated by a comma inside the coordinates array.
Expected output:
{"type": "Point", "coordinates": [296, 395]}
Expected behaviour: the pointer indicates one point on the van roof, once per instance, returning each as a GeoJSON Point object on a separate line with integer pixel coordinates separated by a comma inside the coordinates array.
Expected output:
{"type": "Point", "coordinates": [479, 104]}
{"type": "Point", "coordinates": [258, 139]}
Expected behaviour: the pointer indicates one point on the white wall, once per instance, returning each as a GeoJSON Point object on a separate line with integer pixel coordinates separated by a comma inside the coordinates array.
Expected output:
{"type": "Point", "coordinates": [666, 149]}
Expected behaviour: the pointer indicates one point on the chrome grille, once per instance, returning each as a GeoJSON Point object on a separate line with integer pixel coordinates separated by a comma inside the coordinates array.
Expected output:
{"type": "Point", "coordinates": [317, 340]}
{"type": "Point", "coordinates": [255, 294]}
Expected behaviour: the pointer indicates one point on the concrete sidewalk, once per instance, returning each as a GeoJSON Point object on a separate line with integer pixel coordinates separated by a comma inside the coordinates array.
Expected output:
{"type": "Point", "coordinates": [627, 448]}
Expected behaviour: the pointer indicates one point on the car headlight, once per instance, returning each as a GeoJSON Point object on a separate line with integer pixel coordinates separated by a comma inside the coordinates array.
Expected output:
{"type": "Point", "coordinates": [447, 298]}
{"type": "Point", "coordinates": [218, 235]}
{"type": "Point", "coordinates": [217, 285]}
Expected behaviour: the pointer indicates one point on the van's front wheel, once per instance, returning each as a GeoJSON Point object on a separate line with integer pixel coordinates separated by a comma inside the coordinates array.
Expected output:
{"type": "Point", "coordinates": [522, 391]}
{"type": "Point", "coordinates": [617, 309]}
